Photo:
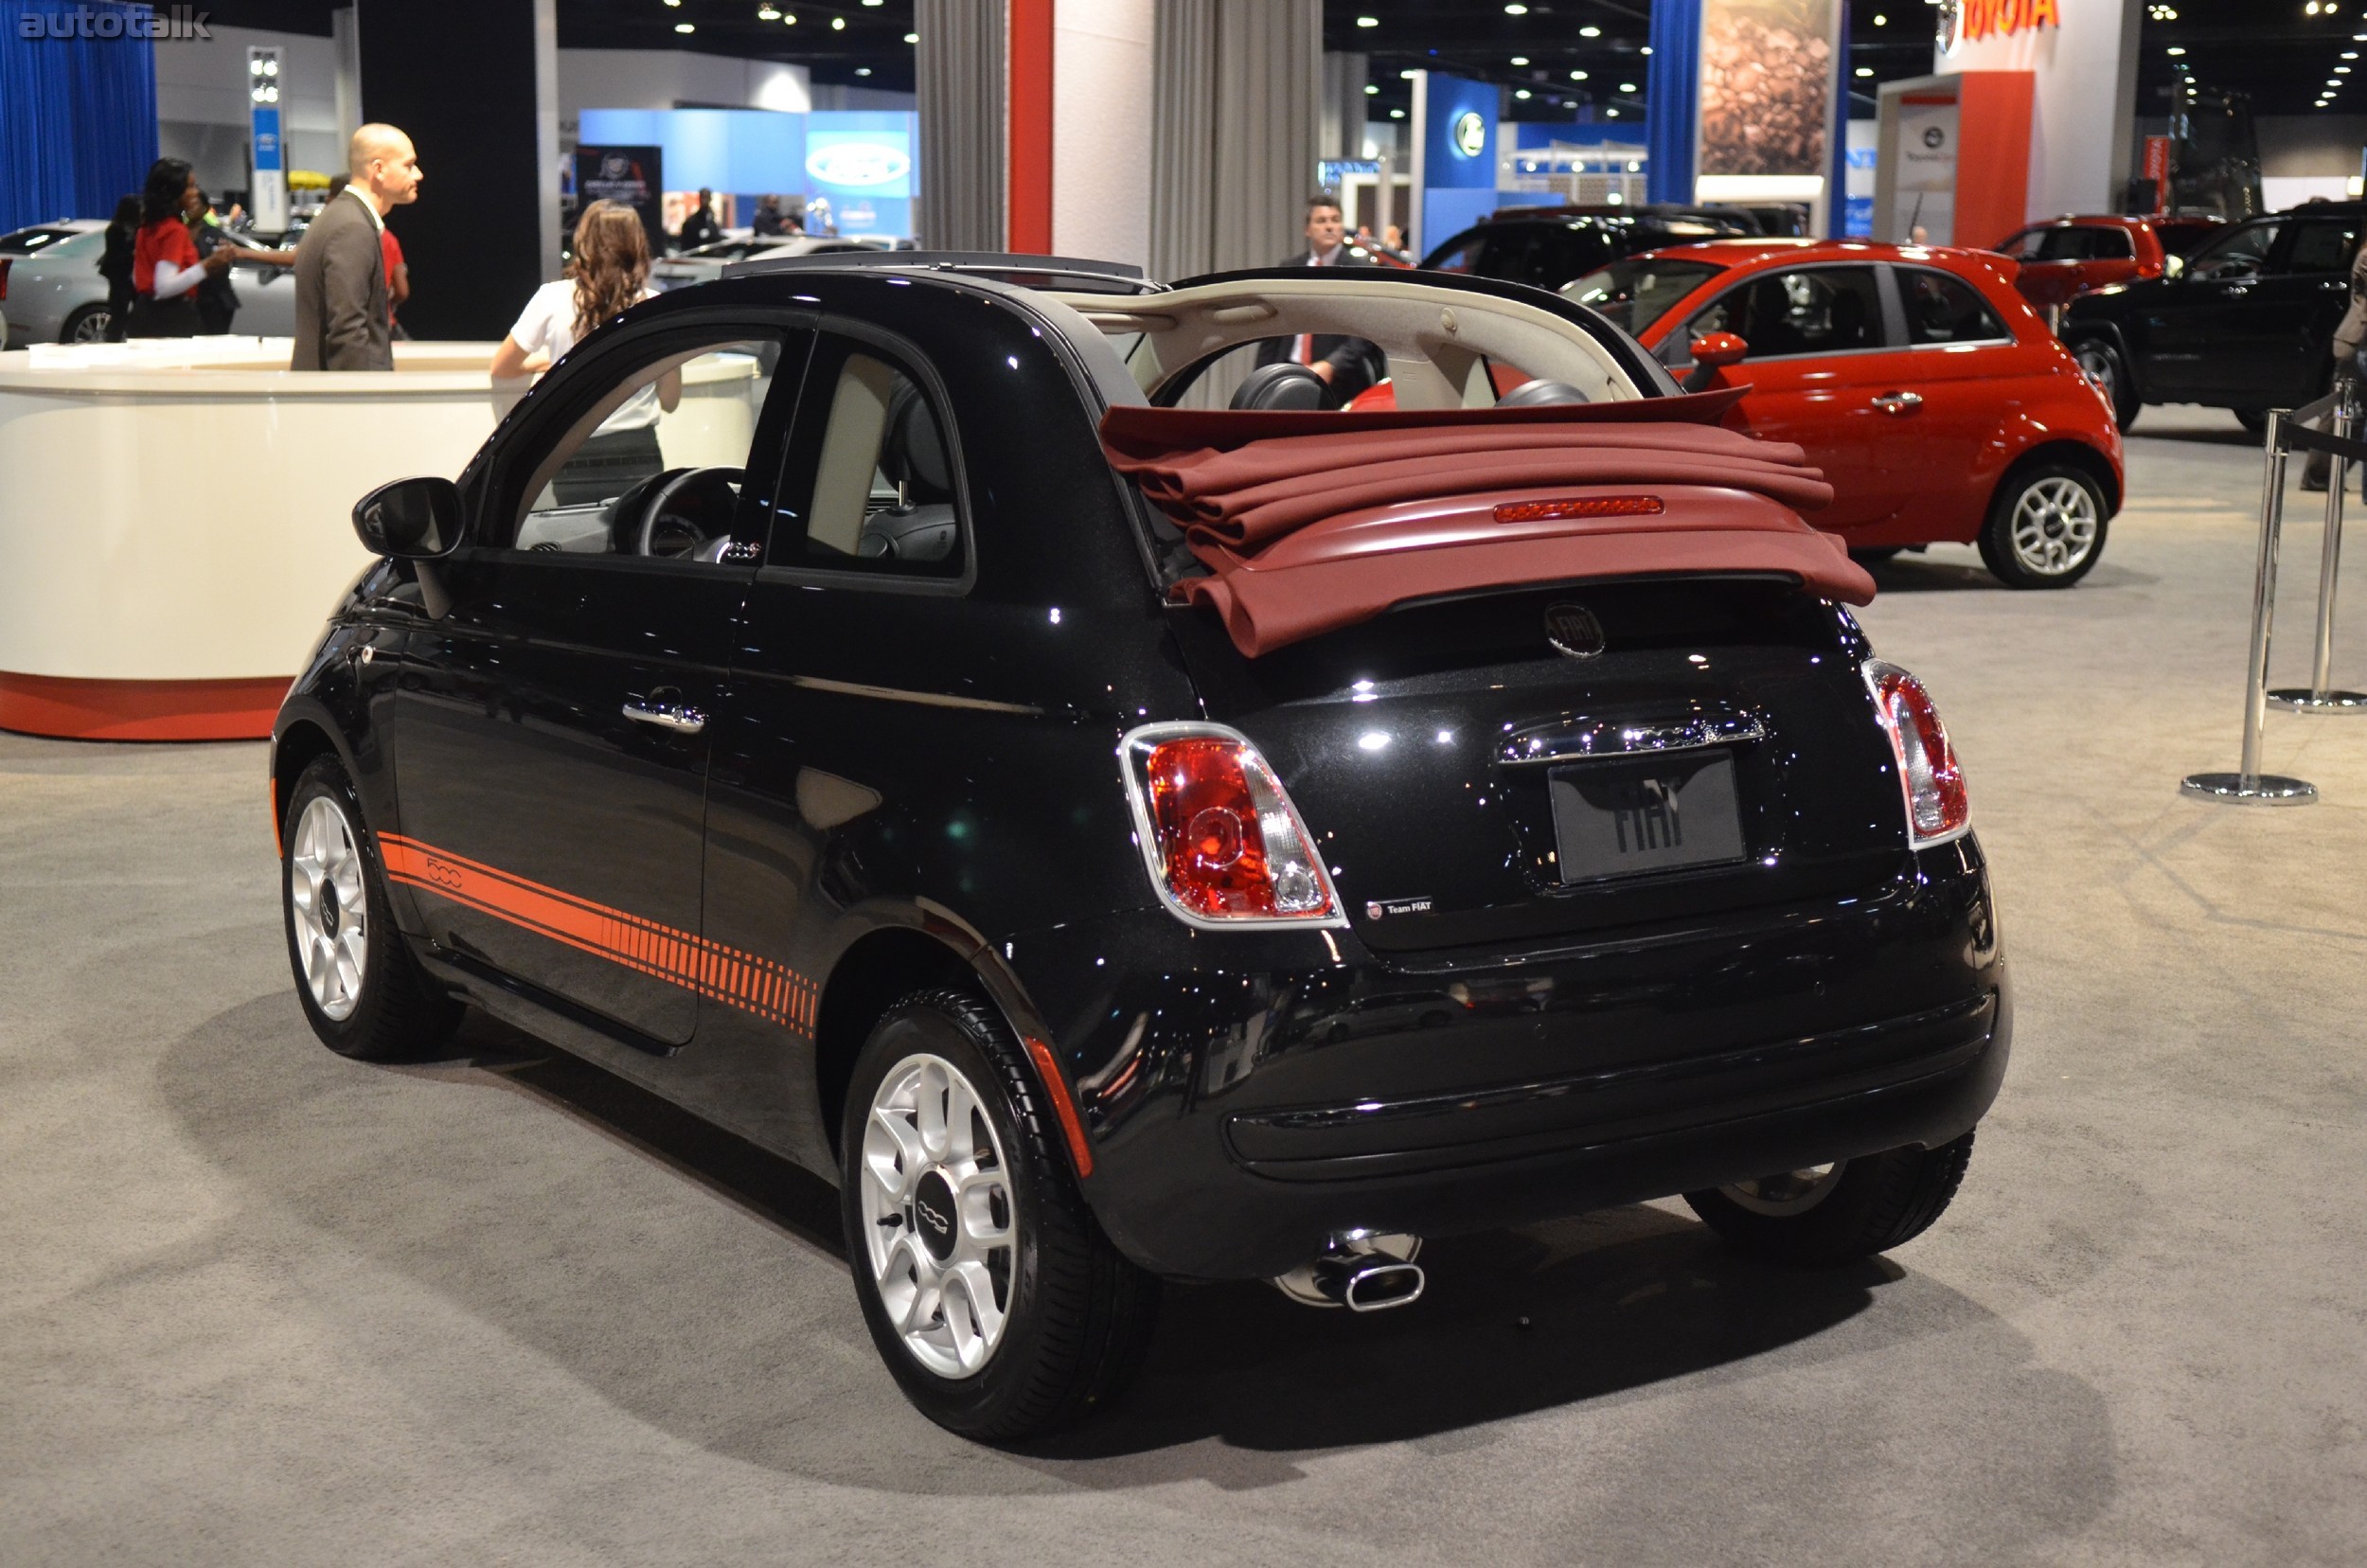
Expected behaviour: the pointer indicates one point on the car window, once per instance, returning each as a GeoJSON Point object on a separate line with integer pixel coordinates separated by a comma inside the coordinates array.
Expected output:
{"type": "Point", "coordinates": [2240, 252]}
{"type": "Point", "coordinates": [1559, 255]}
{"type": "Point", "coordinates": [655, 466]}
{"type": "Point", "coordinates": [1943, 307]}
{"type": "Point", "coordinates": [2321, 245]}
{"type": "Point", "coordinates": [2027, 245]}
{"type": "Point", "coordinates": [875, 468]}
{"type": "Point", "coordinates": [41, 237]}
{"type": "Point", "coordinates": [1635, 293]}
{"type": "Point", "coordinates": [2183, 239]}
{"type": "Point", "coordinates": [1463, 259]}
{"type": "Point", "coordinates": [1812, 311]}
{"type": "Point", "coordinates": [2110, 244]}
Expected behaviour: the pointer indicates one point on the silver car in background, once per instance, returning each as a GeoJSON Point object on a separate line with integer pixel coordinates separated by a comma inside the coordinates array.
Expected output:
{"type": "Point", "coordinates": [55, 294]}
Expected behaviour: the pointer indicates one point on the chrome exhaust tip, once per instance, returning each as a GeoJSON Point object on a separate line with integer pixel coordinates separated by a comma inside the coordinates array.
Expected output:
{"type": "Point", "coordinates": [1363, 1270]}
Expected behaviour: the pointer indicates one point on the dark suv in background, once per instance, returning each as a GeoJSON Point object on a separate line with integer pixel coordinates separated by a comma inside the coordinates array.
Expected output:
{"type": "Point", "coordinates": [2244, 323]}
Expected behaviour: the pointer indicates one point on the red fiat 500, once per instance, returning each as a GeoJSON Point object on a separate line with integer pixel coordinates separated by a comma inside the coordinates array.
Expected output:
{"type": "Point", "coordinates": [1930, 391]}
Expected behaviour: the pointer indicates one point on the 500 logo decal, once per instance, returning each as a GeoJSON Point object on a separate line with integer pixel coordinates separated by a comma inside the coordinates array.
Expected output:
{"type": "Point", "coordinates": [858, 164]}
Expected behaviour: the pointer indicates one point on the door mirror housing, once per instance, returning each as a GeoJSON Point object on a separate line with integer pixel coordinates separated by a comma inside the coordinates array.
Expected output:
{"type": "Point", "coordinates": [410, 519]}
{"type": "Point", "coordinates": [1716, 350]}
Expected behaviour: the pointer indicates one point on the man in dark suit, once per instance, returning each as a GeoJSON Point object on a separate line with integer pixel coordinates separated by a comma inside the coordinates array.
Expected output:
{"type": "Point", "coordinates": [700, 228]}
{"type": "Point", "coordinates": [1346, 364]}
{"type": "Point", "coordinates": [341, 315]}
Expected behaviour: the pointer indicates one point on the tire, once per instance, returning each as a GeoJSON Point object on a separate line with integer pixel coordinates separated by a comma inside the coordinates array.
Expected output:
{"type": "Point", "coordinates": [87, 325]}
{"type": "Point", "coordinates": [2253, 420]}
{"type": "Point", "coordinates": [1008, 1339]}
{"type": "Point", "coordinates": [1856, 1209]}
{"type": "Point", "coordinates": [361, 986]}
{"type": "Point", "coordinates": [2046, 525]}
{"type": "Point", "coordinates": [2103, 365]}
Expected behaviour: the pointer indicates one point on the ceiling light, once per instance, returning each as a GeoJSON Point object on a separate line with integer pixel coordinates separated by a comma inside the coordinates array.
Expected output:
{"type": "Point", "coordinates": [2350, 54]}
{"type": "Point", "coordinates": [768, 13]}
{"type": "Point", "coordinates": [1590, 32]}
{"type": "Point", "coordinates": [1396, 113]}
{"type": "Point", "coordinates": [788, 19]}
{"type": "Point", "coordinates": [1520, 60]}
{"type": "Point", "coordinates": [912, 38]}
{"type": "Point", "coordinates": [862, 70]}
{"type": "Point", "coordinates": [1611, 114]}
{"type": "Point", "coordinates": [1370, 89]}
{"type": "Point", "coordinates": [1646, 49]}
{"type": "Point", "coordinates": [1368, 21]}
{"type": "Point", "coordinates": [685, 27]}
{"type": "Point", "coordinates": [1626, 87]}
{"type": "Point", "coordinates": [1865, 70]}
{"type": "Point", "coordinates": [1407, 76]}
{"type": "Point", "coordinates": [875, 2]}
{"type": "Point", "coordinates": [1578, 76]}
{"type": "Point", "coordinates": [1881, 21]}
{"type": "Point", "coordinates": [1520, 92]}
{"type": "Point", "coordinates": [1524, 11]}
{"type": "Point", "coordinates": [2175, 50]}
{"type": "Point", "coordinates": [837, 23]}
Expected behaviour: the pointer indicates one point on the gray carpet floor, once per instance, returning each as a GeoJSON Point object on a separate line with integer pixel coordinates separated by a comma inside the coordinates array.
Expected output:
{"type": "Point", "coordinates": [260, 1306]}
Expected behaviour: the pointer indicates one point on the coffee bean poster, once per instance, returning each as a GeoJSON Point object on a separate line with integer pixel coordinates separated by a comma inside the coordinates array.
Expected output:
{"type": "Point", "coordinates": [1768, 86]}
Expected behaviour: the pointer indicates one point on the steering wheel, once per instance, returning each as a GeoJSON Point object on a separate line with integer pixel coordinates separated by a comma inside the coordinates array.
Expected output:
{"type": "Point", "coordinates": [685, 509]}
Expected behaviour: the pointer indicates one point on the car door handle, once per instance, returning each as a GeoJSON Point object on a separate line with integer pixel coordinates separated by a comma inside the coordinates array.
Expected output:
{"type": "Point", "coordinates": [1899, 403]}
{"type": "Point", "coordinates": [681, 718]}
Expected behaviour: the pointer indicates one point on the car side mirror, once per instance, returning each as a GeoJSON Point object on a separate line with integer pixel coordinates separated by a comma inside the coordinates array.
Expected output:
{"type": "Point", "coordinates": [1716, 350]}
{"type": "Point", "coordinates": [411, 519]}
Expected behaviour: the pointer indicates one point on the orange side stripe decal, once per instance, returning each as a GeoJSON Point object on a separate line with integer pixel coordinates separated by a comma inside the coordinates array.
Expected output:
{"type": "Point", "coordinates": [770, 989]}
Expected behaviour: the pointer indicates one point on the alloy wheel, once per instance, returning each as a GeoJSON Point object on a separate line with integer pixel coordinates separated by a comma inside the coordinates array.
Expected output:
{"type": "Point", "coordinates": [2095, 363]}
{"type": "Point", "coordinates": [92, 328]}
{"type": "Point", "coordinates": [940, 1222]}
{"type": "Point", "coordinates": [2055, 526]}
{"type": "Point", "coordinates": [1787, 1192]}
{"type": "Point", "coordinates": [331, 908]}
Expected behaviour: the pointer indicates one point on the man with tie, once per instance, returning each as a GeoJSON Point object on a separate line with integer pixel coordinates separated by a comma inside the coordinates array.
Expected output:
{"type": "Point", "coordinates": [1346, 364]}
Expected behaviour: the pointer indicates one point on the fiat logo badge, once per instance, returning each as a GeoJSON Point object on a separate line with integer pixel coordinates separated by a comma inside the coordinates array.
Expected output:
{"type": "Point", "coordinates": [1573, 631]}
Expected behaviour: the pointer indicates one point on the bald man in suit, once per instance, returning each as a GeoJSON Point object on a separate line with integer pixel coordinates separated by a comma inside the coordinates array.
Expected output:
{"type": "Point", "coordinates": [341, 315]}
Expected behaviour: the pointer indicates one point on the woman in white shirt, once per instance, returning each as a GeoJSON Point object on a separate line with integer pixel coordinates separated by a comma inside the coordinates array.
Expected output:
{"type": "Point", "coordinates": [610, 274]}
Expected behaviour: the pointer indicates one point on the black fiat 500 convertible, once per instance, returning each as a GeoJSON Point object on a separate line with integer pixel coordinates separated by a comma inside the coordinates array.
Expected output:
{"type": "Point", "coordinates": [894, 707]}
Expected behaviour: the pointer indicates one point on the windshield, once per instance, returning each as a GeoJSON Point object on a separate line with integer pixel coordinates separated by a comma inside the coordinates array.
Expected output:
{"type": "Point", "coordinates": [1634, 293]}
{"type": "Point", "coordinates": [41, 237]}
{"type": "Point", "coordinates": [2235, 253]}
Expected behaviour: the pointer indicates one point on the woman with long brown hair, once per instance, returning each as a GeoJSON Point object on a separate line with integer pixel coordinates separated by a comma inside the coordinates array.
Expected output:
{"type": "Point", "coordinates": [609, 272]}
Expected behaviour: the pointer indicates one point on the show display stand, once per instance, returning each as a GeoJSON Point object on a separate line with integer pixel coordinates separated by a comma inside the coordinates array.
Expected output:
{"type": "Point", "coordinates": [174, 520]}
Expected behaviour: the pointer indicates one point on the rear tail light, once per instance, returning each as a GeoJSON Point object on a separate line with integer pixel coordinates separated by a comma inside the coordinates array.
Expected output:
{"type": "Point", "coordinates": [1223, 843]}
{"type": "Point", "coordinates": [1937, 810]}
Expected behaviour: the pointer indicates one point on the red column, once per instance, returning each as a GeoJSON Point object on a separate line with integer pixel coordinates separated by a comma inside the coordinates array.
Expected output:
{"type": "Point", "coordinates": [1029, 52]}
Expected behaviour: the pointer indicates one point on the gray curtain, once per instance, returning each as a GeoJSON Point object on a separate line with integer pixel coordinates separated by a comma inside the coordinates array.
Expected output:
{"type": "Point", "coordinates": [1236, 119]}
{"type": "Point", "coordinates": [1343, 104]}
{"type": "Point", "coordinates": [960, 76]}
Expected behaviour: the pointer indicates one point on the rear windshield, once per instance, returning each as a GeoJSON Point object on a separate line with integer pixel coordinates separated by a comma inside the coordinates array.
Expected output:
{"type": "Point", "coordinates": [25, 241]}
{"type": "Point", "coordinates": [1633, 294]}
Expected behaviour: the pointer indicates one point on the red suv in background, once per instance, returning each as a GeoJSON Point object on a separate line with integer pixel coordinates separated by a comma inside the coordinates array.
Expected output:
{"type": "Point", "coordinates": [2067, 256]}
{"type": "Point", "coordinates": [1930, 392]}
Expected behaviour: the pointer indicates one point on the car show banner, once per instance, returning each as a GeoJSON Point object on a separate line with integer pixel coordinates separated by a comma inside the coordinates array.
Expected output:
{"type": "Point", "coordinates": [1770, 90]}
{"type": "Point", "coordinates": [627, 175]}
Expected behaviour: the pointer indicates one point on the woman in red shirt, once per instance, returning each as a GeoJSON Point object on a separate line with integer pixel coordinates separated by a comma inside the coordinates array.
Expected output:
{"type": "Point", "coordinates": [166, 268]}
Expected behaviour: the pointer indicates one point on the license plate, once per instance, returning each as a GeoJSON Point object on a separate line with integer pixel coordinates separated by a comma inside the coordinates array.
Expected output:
{"type": "Point", "coordinates": [1619, 817]}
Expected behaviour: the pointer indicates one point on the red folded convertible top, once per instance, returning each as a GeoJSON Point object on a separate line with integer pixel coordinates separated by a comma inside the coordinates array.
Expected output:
{"type": "Point", "coordinates": [1309, 522]}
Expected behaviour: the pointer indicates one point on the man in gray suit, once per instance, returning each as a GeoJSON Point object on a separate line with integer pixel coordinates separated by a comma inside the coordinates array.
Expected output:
{"type": "Point", "coordinates": [340, 316]}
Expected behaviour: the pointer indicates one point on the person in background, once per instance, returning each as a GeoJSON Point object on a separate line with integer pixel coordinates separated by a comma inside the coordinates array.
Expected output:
{"type": "Point", "coordinates": [217, 301]}
{"type": "Point", "coordinates": [1347, 366]}
{"type": "Point", "coordinates": [768, 219]}
{"type": "Point", "coordinates": [700, 228]}
{"type": "Point", "coordinates": [2350, 335]}
{"type": "Point", "coordinates": [610, 274]}
{"type": "Point", "coordinates": [343, 319]}
{"type": "Point", "coordinates": [166, 268]}
{"type": "Point", "coordinates": [115, 265]}
{"type": "Point", "coordinates": [398, 279]}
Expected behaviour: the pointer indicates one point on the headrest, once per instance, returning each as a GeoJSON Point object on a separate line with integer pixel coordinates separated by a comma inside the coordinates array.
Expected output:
{"type": "Point", "coordinates": [1273, 386]}
{"type": "Point", "coordinates": [913, 453]}
{"type": "Point", "coordinates": [1541, 394]}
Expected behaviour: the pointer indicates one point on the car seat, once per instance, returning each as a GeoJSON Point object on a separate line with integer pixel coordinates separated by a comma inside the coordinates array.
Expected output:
{"type": "Point", "coordinates": [1272, 386]}
{"type": "Point", "coordinates": [922, 527]}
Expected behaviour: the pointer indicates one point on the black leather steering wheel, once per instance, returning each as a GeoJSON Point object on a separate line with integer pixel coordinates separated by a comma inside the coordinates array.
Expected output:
{"type": "Point", "coordinates": [685, 509]}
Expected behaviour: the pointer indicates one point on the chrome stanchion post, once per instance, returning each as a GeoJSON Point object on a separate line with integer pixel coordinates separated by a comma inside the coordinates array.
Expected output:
{"type": "Point", "coordinates": [2251, 787]}
{"type": "Point", "coordinates": [2320, 698]}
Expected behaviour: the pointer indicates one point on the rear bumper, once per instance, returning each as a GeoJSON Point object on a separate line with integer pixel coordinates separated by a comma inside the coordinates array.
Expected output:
{"type": "Point", "coordinates": [1242, 1114]}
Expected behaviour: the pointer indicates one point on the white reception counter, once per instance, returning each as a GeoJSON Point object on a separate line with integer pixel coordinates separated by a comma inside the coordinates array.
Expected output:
{"type": "Point", "coordinates": [175, 520]}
